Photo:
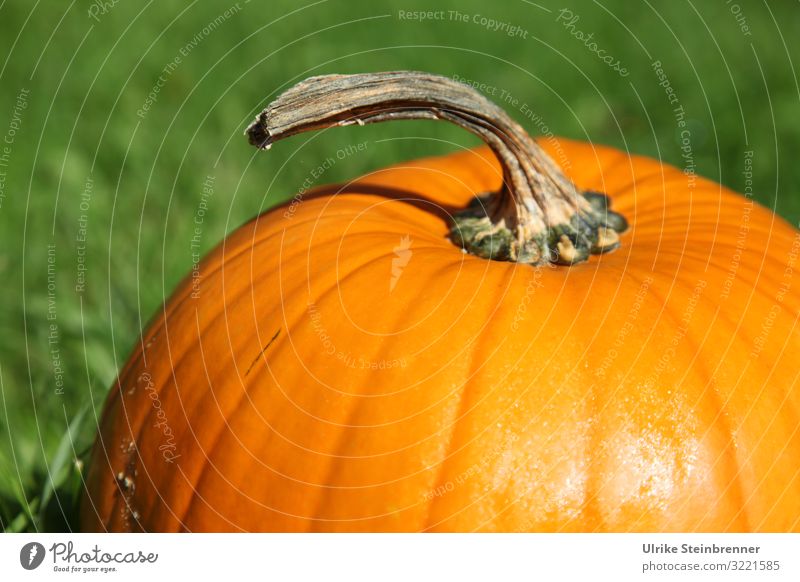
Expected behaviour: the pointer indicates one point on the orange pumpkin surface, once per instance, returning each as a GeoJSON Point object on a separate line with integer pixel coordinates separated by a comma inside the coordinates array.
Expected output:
{"type": "Point", "coordinates": [345, 367]}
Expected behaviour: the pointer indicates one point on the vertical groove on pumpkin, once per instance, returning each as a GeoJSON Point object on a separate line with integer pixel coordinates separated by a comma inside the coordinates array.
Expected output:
{"type": "Point", "coordinates": [314, 520]}
{"type": "Point", "coordinates": [183, 360]}
{"type": "Point", "coordinates": [477, 361]}
{"type": "Point", "coordinates": [734, 485]}
{"type": "Point", "coordinates": [339, 446]}
{"type": "Point", "coordinates": [298, 291]}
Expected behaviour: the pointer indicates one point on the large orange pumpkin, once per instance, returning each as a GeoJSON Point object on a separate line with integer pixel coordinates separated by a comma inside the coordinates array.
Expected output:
{"type": "Point", "coordinates": [345, 365]}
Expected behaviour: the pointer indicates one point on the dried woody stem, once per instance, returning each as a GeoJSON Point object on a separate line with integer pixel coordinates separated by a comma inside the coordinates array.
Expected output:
{"type": "Point", "coordinates": [538, 215]}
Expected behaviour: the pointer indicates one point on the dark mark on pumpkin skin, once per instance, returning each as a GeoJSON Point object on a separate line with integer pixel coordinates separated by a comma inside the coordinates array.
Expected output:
{"type": "Point", "coordinates": [269, 343]}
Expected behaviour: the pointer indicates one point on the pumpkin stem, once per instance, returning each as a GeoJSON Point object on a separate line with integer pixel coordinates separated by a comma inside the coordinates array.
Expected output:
{"type": "Point", "coordinates": [538, 215]}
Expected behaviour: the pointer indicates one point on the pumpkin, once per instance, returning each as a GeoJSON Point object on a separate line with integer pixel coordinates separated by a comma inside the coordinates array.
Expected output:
{"type": "Point", "coordinates": [551, 336]}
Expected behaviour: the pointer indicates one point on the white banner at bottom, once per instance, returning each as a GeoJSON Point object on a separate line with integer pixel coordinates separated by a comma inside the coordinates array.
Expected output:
{"type": "Point", "coordinates": [389, 557]}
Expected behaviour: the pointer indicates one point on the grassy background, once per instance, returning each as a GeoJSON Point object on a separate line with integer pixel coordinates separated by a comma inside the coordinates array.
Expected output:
{"type": "Point", "coordinates": [87, 77]}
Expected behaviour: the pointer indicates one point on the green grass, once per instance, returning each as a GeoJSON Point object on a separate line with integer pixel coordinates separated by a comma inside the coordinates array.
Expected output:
{"type": "Point", "coordinates": [88, 78]}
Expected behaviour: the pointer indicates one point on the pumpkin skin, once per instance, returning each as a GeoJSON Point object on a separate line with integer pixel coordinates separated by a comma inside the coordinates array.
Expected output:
{"type": "Point", "coordinates": [649, 389]}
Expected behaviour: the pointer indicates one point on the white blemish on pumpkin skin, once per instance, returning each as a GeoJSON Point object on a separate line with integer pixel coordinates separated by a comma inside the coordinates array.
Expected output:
{"type": "Point", "coordinates": [150, 342]}
{"type": "Point", "coordinates": [127, 446]}
{"type": "Point", "coordinates": [126, 482]}
{"type": "Point", "coordinates": [126, 489]}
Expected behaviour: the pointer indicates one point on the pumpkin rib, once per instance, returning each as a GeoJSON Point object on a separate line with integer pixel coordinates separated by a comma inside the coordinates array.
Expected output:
{"type": "Point", "coordinates": [428, 378]}
{"type": "Point", "coordinates": [446, 455]}
{"type": "Point", "coordinates": [477, 436]}
{"type": "Point", "coordinates": [574, 369]}
{"type": "Point", "coordinates": [240, 400]}
{"type": "Point", "coordinates": [339, 281]}
{"type": "Point", "coordinates": [211, 324]}
{"type": "Point", "coordinates": [313, 519]}
{"type": "Point", "coordinates": [422, 470]}
{"type": "Point", "coordinates": [196, 483]}
{"type": "Point", "coordinates": [760, 526]}
{"type": "Point", "coordinates": [181, 361]}
{"type": "Point", "coordinates": [341, 442]}
{"type": "Point", "coordinates": [324, 294]}
{"type": "Point", "coordinates": [110, 407]}
{"type": "Point", "coordinates": [458, 420]}
{"type": "Point", "coordinates": [750, 411]}
{"type": "Point", "coordinates": [178, 514]}
{"type": "Point", "coordinates": [341, 446]}
{"type": "Point", "coordinates": [599, 176]}
{"type": "Point", "coordinates": [793, 406]}
{"type": "Point", "coordinates": [789, 483]}
{"type": "Point", "coordinates": [183, 527]}
{"type": "Point", "coordinates": [114, 396]}
{"type": "Point", "coordinates": [454, 264]}
{"type": "Point", "coordinates": [696, 219]}
{"type": "Point", "coordinates": [711, 392]}
{"type": "Point", "coordinates": [772, 365]}
{"type": "Point", "coordinates": [330, 471]}
{"type": "Point", "coordinates": [596, 414]}
{"type": "Point", "coordinates": [589, 510]}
